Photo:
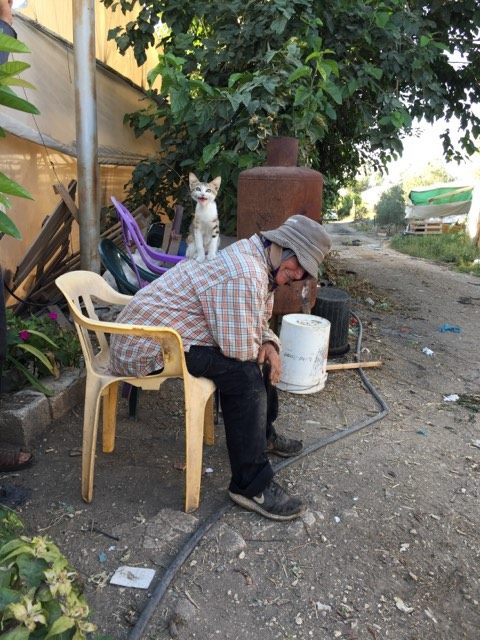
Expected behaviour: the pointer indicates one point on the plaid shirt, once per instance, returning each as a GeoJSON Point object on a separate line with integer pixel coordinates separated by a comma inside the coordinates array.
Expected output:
{"type": "Point", "coordinates": [224, 302]}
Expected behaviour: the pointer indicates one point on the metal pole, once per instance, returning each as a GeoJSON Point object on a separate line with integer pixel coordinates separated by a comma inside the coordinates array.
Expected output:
{"type": "Point", "coordinates": [86, 129]}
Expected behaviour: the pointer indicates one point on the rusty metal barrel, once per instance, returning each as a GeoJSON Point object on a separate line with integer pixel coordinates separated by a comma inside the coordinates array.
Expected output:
{"type": "Point", "coordinates": [268, 195]}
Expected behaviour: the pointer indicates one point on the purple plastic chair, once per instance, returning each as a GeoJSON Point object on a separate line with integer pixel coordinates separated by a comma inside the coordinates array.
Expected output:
{"type": "Point", "coordinates": [156, 261]}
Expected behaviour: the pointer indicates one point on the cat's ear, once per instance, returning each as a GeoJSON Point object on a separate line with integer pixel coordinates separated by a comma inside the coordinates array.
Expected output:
{"type": "Point", "coordinates": [216, 183]}
{"type": "Point", "coordinates": [192, 180]}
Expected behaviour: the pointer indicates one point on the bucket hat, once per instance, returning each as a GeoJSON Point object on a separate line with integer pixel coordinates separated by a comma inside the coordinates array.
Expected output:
{"type": "Point", "coordinates": [306, 238]}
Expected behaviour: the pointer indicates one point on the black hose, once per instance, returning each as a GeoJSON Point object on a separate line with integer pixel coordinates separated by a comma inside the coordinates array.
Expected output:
{"type": "Point", "coordinates": [162, 586]}
{"type": "Point", "coordinates": [172, 569]}
{"type": "Point", "coordinates": [356, 426]}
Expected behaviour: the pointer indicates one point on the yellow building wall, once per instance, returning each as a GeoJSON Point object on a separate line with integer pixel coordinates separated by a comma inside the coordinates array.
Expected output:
{"type": "Point", "coordinates": [38, 168]}
{"type": "Point", "coordinates": [57, 16]}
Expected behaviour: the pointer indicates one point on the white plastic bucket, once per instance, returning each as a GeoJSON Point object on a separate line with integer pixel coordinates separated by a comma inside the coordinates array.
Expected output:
{"type": "Point", "coordinates": [304, 339]}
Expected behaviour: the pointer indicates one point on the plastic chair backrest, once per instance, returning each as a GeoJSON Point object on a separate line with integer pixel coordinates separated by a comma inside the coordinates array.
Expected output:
{"type": "Point", "coordinates": [80, 288]}
{"type": "Point", "coordinates": [133, 234]}
{"type": "Point", "coordinates": [118, 262]}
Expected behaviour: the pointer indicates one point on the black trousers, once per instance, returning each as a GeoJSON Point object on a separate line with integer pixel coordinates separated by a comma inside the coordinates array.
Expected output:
{"type": "Point", "coordinates": [249, 407]}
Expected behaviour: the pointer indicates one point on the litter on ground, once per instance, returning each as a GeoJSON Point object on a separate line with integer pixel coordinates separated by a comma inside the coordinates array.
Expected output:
{"type": "Point", "coordinates": [428, 352]}
{"type": "Point", "coordinates": [449, 328]}
{"type": "Point", "coordinates": [137, 577]}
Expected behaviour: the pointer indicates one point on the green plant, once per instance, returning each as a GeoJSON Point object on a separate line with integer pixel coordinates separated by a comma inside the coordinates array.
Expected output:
{"type": "Point", "coordinates": [8, 78]}
{"type": "Point", "coordinates": [347, 77]}
{"type": "Point", "coordinates": [390, 209]}
{"type": "Point", "coordinates": [38, 346]}
{"type": "Point", "coordinates": [455, 249]}
{"type": "Point", "coordinates": [40, 596]}
{"type": "Point", "coordinates": [345, 205]}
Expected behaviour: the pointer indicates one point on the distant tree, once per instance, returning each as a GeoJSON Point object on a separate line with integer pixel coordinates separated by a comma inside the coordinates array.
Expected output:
{"type": "Point", "coordinates": [349, 200]}
{"type": "Point", "coordinates": [345, 206]}
{"type": "Point", "coordinates": [361, 210]}
{"type": "Point", "coordinates": [390, 209]}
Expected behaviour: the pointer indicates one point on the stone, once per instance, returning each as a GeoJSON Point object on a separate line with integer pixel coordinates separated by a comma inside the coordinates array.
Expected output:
{"type": "Point", "coordinates": [229, 540]}
{"type": "Point", "coordinates": [69, 390]}
{"type": "Point", "coordinates": [26, 414]}
{"type": "Point", "coordinates": [168, 528]}
{"type": "Point", "coordinates": [184, 611]}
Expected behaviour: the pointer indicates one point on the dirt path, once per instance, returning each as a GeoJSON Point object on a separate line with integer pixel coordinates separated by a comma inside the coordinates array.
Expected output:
{"type": "Point", "coordinates": [389, 546]}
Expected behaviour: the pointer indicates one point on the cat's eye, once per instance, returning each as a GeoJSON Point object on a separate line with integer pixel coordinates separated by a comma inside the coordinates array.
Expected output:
{"type": "Point", "coordinates": [209, 191]}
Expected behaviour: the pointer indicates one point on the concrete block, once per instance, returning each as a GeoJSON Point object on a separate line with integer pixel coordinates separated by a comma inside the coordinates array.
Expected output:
{"type": "Point", "coordinates": [69, 390]}
{"type": "Point", "coordinates": [25, 415]}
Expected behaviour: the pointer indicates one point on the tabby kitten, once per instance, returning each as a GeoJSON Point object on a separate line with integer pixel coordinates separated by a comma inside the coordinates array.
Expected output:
{"type": "Point", "coordinates": [204, 233]}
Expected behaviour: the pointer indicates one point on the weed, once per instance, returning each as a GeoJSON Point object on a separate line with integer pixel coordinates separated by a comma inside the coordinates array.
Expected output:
{"type": "Point", "coordinates": [37, 346]}
{"type": "Point", "coordinates": [40, 595]}
{"type": "Point", "coordinates": [450, 248]}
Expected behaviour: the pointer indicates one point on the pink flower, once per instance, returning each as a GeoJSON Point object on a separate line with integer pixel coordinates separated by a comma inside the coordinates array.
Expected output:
{"type": "Point", "coordinates": [52, 315]}
{"type": "Point", "coordinates": [24, 335]}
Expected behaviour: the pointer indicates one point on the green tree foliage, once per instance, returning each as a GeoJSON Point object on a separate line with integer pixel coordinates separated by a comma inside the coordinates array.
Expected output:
{"type": "Point", "coordinates": [390, 209]}
{"type": "Point", "coordinates": [345, 76]}
{"type": "Point", "coordinates": [345, 204]}
{"type": "Point", "coordinates": [349, 201]}
{"type": "Point", "coordinates": [8, 78]}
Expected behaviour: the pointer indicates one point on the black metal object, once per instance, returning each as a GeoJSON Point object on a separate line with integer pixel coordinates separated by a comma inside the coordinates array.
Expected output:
{"type": "Point", "coordinates": [334, 305]}
{"type": "Point", "coordinates": [155, 234]}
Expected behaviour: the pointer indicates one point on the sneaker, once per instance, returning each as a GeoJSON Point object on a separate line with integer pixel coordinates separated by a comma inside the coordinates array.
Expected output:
{"type": "Point", "coordinates": [274, 503]}
{"type": "Point", "coordinates": [284, 447]}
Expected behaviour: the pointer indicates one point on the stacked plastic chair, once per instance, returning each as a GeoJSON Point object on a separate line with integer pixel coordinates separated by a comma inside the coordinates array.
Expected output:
{"type": "Point", "coordinates": [156, 261]}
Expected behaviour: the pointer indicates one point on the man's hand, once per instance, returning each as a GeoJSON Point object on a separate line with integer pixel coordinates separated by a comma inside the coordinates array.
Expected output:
{"type": "Point", "coordinates": [6, 11]}
{"type": "Point", "coordinates": [268, 353]}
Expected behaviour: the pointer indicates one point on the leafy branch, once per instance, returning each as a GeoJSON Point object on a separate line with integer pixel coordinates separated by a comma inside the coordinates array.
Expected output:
{"type": "Point", "coordinates": [9, 72]}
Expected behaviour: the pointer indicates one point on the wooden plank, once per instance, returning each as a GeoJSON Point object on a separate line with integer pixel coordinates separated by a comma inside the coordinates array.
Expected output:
{"type": "Point", "coordinates": [420, 227]}
{"type": "Point", "coordinates": [38, 246]}
{"type": "Point", "coordinates": [49, 229]}
{"type": "Point", "coordinates": [68, 200]}
{"type": "Point", "coordinates": [175, 236]}
{"type": "Point", "coordinates": [167, 237]}
{"type": "Point", "coordinates": [453, 192]}
{"type": "Point", "coordinates": [368, 364]}
{"type": "Point", "coordinates": [59, 242]}
{"type": "Point", "coordinates": [54, 253]}
{"type": "Point", "coordinates": [53, 264]}
{"type": "Point", "coordinates": [48, 256]}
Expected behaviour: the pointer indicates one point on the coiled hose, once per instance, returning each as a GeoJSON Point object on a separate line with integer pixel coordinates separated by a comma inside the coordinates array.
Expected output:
{"type": "Point", "coordinates": [162, 586]}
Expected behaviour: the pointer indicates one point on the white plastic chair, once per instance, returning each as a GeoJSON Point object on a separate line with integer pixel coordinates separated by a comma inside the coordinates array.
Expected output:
{"type": "Point", "coordinates": [79, 287]}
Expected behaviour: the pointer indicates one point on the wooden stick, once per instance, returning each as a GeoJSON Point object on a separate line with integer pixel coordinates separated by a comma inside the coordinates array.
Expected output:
{"type": "Point", "coordinates": [453, 192]}
{"type": "Point", "coordinates": [68, 200]}
{"type": "Point", "coordinates": [42, 242]}
{"type": "Point", "coordinates": [354, 365]}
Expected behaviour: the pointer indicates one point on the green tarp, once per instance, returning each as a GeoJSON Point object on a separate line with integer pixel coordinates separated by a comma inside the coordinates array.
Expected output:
{"type": "Point", "coordinates": [441, 195]}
